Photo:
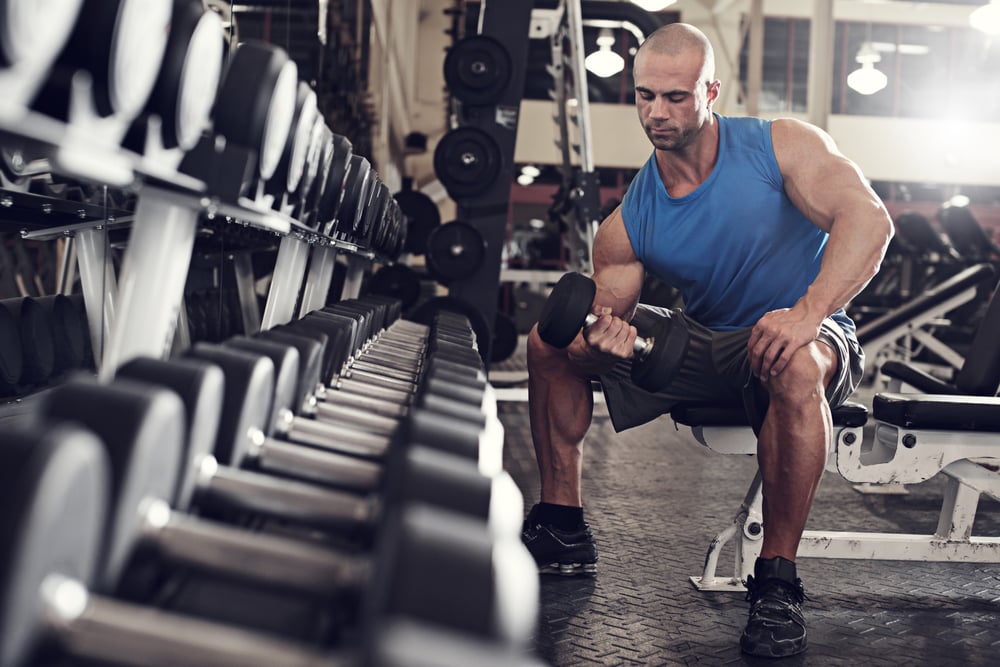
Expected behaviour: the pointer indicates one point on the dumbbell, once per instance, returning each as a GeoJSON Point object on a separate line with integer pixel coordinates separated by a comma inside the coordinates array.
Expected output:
{"type": "Point", "coordinates": [142, 428]}
{"type": "Point", "coordinates": [321, 453]}
{"type": "Point", "coordinates": [460, 415]}
{"type": "Point", "coordinates": [185, 88]}
{"type": "Point", "coordinates": [568, 309]}
{"type": "Point", "coordinates": [421, 475]}
{"type": "Point", "coordinates": [54, 502]}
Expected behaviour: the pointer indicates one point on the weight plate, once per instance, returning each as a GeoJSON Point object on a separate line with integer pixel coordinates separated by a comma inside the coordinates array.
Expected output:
{"type": "Point", "coordinates": [138, 44]}
{"type": "Point", "coordinates": [397, 281]}
{"type": "Point", "coordinates": [467, 162]}
{"type": "Point", "coordinates": [355, 190]}
{"type": "Point", "coordinates": [334, 189]}
{"type": "Point", "coordinates": [35, 29]}
{"type": "Point", "coordinates": [455, 251]}
{"type": "Point", "coordinates": [477, 69]}
{"type": "Point", "coordinates": [68, 331]}
{"type": "Point", "coordinates": [504, 339]}
{"type": "Point", "coordinates": [422, 218]}
{"type": "Point", "coordinates": [142, 428]}
{"type": "Point", "coordinates": [425, 313]}
{"type": "Point", "coordinates": [53, 493]}
{"type": "Point", "coordinates": [189, 77]}
{"type": "Point", "coordinates": [256, 103]}
{"type": "Point", "coordinates": [566, 309]}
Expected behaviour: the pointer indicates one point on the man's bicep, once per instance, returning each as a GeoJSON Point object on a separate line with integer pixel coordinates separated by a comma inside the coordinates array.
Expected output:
{"type": "Point", "coordinates": [617, 271]}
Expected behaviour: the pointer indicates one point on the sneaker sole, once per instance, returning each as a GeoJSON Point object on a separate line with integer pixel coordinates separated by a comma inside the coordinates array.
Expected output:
{"type": "Point", "coordinates": [569, 569]}
{"type": "Point", "coordinates": [765, 650]}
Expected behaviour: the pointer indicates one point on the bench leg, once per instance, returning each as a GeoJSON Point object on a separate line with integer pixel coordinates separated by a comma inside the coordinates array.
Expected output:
{"type": "Point", "coordinates": [748, 529]}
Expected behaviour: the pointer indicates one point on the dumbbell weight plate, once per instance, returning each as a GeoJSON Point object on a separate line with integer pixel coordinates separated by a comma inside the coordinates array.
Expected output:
{"type": "Point", "coordinates": [292, 164]}
{"type": "Point", "coordinates": [256, 102]}
{"type": "Point", "coordinates": [566, 309]}
{"type": "Point", "coordinates": [53, 496]}
{"type": "Point", "coordinates": [35, 29]}
{"type": "Point", "coordinates": [455, 251]}
{"type": "Point", "coordinates": [398, 281]}
{"type": "Point", "coordinates": [333, 191]}
{"type": "Point", "coordinates": [422, 218]}
{"type": "Point", "coordinates": [355, 190]}
{"type": "Point", "coordinates": [477, 69]}
{"type": "Point", "coordinates": [426, 312]}
{"type": "Point", "coordinates": [189, 77]}
{"type": "Point", "coordinates": [505, 337]}
{"type": "Point", "coordinates": [467, 161]}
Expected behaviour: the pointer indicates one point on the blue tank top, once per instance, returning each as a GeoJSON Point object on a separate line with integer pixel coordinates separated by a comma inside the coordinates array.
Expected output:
{"type": "Point", "coordinates": [736, 247]}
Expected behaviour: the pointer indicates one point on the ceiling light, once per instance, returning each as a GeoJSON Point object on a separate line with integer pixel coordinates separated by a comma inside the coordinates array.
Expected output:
{"type": "Point", "coordinates": [654, 5]}
{"type": "Point", "coordinates": [604, 62]}
{"type": "Point", "coordinates": [959, 201]}
{"type": "Point", "coordinates": [987, 18]}
{"type": "Point", "coordinates": [531, 170]}
{"type": "Point", "coordinates": [524, 179]}
{"type": "Point", "coordinates": [866, 80]}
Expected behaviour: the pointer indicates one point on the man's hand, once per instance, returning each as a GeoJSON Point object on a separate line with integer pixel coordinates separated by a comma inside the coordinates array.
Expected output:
{"type": "Point", "coordinates": [609, 338]}
{"type": "Point", "coordinates": [776, 337]}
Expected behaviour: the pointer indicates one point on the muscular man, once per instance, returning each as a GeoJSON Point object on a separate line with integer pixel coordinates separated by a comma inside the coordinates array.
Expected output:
{"type": "Point", "coordinates": [768, 231]}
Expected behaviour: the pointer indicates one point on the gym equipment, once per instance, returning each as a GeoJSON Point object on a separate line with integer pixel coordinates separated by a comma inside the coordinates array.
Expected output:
{"type": "Point", "coordinates": [291, 166]}
{"type": "Point", "coordinates": [397, 281]}
{"type": "Point", "coordinates": [260, 88]}
{"type": "Point", "coordinates": [336, 455]}
{"type": "Point", "coordinates": [69, 332]}
{"type": "Point", "coordinates": [455, 251]}
{"type": "Point", "coordinates": [333, 191]}
{"type": "Point", "coordinates": [185, 89]}
{"type": "Point", "coordinates": [54, 499]}
{"type": "Point", "coordinates": [477, 69]}
{"type": "Point", "coordinates": [467, 161]}
{"type": "Point", "coordinates": [656, 357]}
{"type": "Point", "coordinates": [35, 339]}
{"type": "Point", "coordinates": [120, 44]}
{"type": "Point", "coordinates": [422, 216]}
{"type": "Point", "coordinates": [145, 443]}
{"type": "Point", "coordinates": [422, 475]}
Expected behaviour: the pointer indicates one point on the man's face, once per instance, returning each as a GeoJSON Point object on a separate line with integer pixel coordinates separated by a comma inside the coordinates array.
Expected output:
{"type": "Point", "coordinates": [672, 99]}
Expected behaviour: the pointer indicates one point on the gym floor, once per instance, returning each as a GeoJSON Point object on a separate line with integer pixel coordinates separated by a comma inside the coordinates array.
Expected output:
{"type": "Point", "coordinates": [655, 498]}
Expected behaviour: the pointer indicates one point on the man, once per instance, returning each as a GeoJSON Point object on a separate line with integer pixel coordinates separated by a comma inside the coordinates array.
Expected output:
{"type": "Point", "coordinates": [768, 231]}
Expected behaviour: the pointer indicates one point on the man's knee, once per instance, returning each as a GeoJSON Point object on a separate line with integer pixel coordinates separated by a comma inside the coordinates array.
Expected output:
{"type": "Point", "coordinates": [809, 370]}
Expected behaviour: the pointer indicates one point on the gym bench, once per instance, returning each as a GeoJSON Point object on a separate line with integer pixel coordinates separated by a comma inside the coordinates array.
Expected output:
{"type": "Point", "coordinates": [916, 436]}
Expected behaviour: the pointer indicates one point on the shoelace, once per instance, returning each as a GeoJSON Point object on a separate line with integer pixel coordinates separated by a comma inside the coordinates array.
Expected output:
{"type": "Point", "coordinates": [793, 592]}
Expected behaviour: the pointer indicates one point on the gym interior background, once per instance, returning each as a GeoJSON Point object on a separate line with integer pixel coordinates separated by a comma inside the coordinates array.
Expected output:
{"type": "Point", "coordinates": [326, 226]}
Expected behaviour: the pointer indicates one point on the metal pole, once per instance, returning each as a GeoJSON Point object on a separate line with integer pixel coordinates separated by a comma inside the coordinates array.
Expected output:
{"type": "Point", "coordinates": [286, 282]}
{"type": "Point", "coordinates": [575, 20]}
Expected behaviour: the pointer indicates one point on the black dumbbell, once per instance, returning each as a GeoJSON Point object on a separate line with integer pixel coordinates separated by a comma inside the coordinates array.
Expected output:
{"type": "Point", "coordinates": [568, 309]}
{"type": "Point", "coordinates": [54, 509]}
{"type": "Point", "coordinates": [420, 475]}
{"type": "Point", "coordinates": [142, 428]}
{"type": "Point", "coordinates": [337, 456]}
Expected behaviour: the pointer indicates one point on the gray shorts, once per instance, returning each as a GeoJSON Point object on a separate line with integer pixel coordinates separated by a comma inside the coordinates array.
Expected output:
{"type": "Point", "coordinates": [715, 369]}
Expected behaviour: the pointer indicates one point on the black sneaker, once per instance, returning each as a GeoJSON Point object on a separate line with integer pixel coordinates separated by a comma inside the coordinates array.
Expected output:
{"type": "Point", "coordinates": [776, 627]}
{"type": "Point", "coordinates": [566, 553]}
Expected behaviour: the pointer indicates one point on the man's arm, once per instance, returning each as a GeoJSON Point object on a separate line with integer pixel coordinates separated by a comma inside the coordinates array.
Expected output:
{"type": "Point", "coordinates": [830, 190]}
{"type": "Point", "coordinates": [618, 274]}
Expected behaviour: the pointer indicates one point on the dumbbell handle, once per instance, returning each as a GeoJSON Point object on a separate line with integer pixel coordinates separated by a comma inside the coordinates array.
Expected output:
{"type": "Point", "coordinates": [107, 630]}
{"type": "Point", "coordinates": [641, 347]}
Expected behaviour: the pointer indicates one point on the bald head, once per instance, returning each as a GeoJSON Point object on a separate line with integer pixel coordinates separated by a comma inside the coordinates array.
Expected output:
{"type": "Point", "coordinates": [678, 39]}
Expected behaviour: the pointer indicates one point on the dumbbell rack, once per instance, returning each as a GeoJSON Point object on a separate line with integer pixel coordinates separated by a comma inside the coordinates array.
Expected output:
{"type": "Point", "coordinates": [136, 312]}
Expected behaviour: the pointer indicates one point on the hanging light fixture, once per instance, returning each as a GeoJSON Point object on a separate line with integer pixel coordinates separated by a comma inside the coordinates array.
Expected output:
{"type": "Point", "coordinates": [654, 5]}
{"type": "Point", "coordinates": [604, 62]}
{"type": "Point", "coordinates": [866, 80]}
{"type": "Point", "coordinates": [987, 18]}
